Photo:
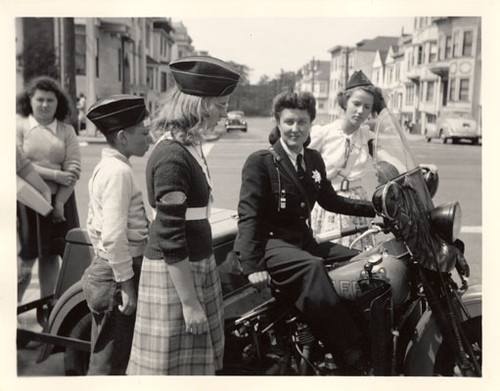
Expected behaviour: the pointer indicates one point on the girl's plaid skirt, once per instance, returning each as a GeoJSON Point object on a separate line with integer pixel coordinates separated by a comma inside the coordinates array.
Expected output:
{"type": "Point", "coordinates": [161, 345]}
{"type": "Point", "coordinates": [324, 221]}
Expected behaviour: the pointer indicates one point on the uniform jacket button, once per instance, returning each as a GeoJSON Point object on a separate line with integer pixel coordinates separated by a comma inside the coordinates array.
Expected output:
{"type": "Point", "coordinates": [302, 204]}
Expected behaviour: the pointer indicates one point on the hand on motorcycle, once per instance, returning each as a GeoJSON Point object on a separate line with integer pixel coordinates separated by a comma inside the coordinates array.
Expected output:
{"type": "Point", "coordinates": [129, 297]}
{"type": "Point", "coordinates": [195, 318]}
{"type": "Point", "coordinates": [259, 280]}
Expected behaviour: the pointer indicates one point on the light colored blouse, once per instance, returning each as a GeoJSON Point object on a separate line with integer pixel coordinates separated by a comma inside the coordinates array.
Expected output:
{"type": "Point", "coordinates": [54, 146]}
{"type": "Point", "coordinates": [345, 156]}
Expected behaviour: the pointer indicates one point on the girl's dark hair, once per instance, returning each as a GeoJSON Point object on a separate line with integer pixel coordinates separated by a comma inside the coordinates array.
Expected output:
{"type": "Point", "coordinates": [292, 100]}
{"type": "Point", "coordinates": [44, 83]}
{"type": "Point", "coordinates": [376, 92]}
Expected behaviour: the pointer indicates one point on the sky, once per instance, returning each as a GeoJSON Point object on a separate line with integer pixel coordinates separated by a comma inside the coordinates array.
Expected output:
{"type": "Point", "coordinates": [267, 45]}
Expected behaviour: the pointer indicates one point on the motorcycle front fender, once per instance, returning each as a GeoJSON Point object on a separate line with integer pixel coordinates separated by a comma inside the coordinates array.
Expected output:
{"type": "Point", "coordinates": [424, 345]}
{"type": "Point", "coordinates": [68, 310]}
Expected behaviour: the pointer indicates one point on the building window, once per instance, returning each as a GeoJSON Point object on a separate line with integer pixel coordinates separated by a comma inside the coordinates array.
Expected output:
{"type": "Point", "coordinates": [322, 87]}
{"type": "Point", "coordinates": [451, 97]}
{"type": "Point", "coordinates": [97, 57]}
{"type": "Point", "coordinates": [447, 50]}
{"type": "Point", "coordinates": [410, 91]}
{"type": "Point", "coordinates": [432, 52]}
{"type": "Point", "coordinates": [441, 47]}
{"type": "Point", "coordinates": [148, 37]}
{"type": "Point", "coordinates": [429, 97]}
{"type": "Point", "coordinates": [463, 93]}
{"type": "Point", "coordinates": [419, 54]}
{"type": "Point", "coordinates": [321, 104]}
{"type": "Point", "coordinates": [467, 47]}
{"type": "Point", "coordinates": [456, 49]}
{"type": "Point", "coordinates": [163, 81]}
{"type": "Point", "coordinates": [150, 78]}
{"type": "Point", "coordinates": [119, 65]}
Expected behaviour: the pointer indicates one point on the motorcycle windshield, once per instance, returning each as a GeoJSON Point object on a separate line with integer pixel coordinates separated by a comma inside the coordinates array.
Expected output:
{"type": "Point", "coordinates": [392, 155]}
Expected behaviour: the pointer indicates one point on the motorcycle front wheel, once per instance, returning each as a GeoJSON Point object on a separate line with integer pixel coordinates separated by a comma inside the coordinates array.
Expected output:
{"type": "Point", "coordinates": [445, 364]}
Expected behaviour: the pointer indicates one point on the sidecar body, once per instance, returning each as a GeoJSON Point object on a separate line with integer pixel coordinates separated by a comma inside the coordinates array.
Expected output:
{"type": "Point", "coordinates": [69, 322]}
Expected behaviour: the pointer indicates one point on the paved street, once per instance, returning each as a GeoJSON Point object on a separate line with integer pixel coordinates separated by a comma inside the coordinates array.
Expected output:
{"type": "Point", "coordinates": [460, 180]}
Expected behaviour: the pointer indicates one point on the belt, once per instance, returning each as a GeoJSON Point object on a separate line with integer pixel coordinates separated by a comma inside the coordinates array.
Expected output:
{"type": "Point", "coordinates": [198, 213]}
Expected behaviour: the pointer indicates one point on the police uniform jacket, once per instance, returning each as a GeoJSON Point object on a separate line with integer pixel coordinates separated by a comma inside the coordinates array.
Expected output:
{"type": "Point", "coordinates": [272, 207]}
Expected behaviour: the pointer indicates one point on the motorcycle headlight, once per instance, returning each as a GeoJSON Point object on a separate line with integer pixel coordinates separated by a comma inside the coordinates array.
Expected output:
{"type": "Point", "coordinates": [446, 220]}
{"type": "Point", "coordinates": [386, 200]}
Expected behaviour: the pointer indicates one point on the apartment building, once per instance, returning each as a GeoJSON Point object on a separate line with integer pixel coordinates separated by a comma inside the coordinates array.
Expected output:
{"type": "Point", "coordinates": [314, 77]}
{"type": "Point", "coordinates": [441, 71]}
{"type": "Point", "coordinates": [340, 69]}
{"type": "Point", "coordinates": [345, 60]}
{"type": "Point", "coordinates": [182, 41]}
{"type": "Point", "coordinates": [112, 55]}
{"type": "Point", "coordinates": [458, 66]}
{"type": "Point", "coordinates": [426, 89]}
{"type": "Point", "coordinates": [159, 49]}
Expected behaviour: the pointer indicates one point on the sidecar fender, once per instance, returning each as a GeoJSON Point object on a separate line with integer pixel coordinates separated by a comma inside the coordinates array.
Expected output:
{"type": "Point", "coordinates": [424, 345]}
{"type": "Point", "coordinates": [69, 309]}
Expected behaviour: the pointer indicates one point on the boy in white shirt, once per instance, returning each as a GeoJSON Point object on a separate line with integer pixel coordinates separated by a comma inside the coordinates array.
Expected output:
{"type": "Point", "coordinates": [118, 228]}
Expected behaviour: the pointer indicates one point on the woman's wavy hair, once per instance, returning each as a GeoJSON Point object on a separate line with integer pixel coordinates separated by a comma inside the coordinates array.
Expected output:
{"type": "Point", "coordinates": [291, 100]}
{"type": "Point", "coordinates": [376, 92]}
{"type": "Point", "coordinates": [44, 83]}
{"type": "Point", "coordinates": [183, 115]}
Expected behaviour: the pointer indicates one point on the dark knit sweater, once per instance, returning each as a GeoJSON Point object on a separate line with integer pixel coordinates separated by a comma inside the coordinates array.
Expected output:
{"type": "Point", "coordinates": [172, 168]}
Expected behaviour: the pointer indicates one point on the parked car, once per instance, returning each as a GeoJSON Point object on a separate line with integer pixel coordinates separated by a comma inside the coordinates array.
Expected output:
{"type": "Point", "coordinates": [235, 121]}
{"type": "Point", "coordinates": [454, 126]}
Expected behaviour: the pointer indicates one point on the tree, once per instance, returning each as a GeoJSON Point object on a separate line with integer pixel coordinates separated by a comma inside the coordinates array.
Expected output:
{"type": "Point", "coordinates": [39, 56]}
{"type": "Point", "coordinates": [243, 70]}
{"type": "Point", "coordinates": [264, 79]}
{"type": "Point", "coordinates": [240, 96]}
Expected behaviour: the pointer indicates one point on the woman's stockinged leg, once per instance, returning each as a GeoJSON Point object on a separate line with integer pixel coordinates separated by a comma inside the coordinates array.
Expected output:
{"type": "Point", "coordinates": [24, 273]}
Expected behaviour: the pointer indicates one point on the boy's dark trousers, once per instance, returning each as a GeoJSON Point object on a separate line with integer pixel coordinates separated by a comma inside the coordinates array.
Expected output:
{"type": "Point", "coordinates": [112, 331]}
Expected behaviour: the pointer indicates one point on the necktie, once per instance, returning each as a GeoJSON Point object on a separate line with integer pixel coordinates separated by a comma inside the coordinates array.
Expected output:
{"type": "Point", "coordinates": [300, 169]}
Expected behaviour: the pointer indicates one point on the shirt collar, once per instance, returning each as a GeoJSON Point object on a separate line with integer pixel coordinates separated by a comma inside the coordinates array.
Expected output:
{"type": "Point", "coordinates": [291, 154]}
{"type": "Point", "coordinates": [34, 123]}
{"type": "Point", "coordinates": [109, 152]}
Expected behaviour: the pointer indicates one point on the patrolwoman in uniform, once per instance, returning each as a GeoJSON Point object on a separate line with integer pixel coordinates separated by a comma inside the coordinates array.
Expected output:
{"type": "Point", "coordinates": [279, 187]}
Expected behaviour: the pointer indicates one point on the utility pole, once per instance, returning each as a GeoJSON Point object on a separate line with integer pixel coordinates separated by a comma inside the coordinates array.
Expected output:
{"type": "Point", "coordinates": [346, 66]}
{"type": "Point", "coordinates": [68, 79]}
{"type": "Point", "coordinates": [313, 71]}
{"type": "Point", "coordinates": [90, 66]}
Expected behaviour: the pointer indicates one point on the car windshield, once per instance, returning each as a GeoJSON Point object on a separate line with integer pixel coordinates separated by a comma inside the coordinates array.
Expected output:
{"type": "Point", "coordinates": [235, 114]}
